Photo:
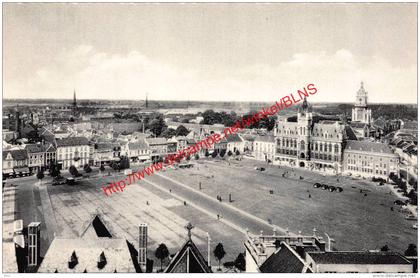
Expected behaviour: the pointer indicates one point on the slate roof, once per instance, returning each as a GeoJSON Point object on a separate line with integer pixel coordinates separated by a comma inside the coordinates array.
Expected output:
{"type": "Point", "coordinates": [72, 141]}
{"type": "Point", "coordinates": [358, 257]}
{"type": "Point", "coordinates": [196, 263]}
{"type": "Point", "coordinates": [350, 133]}
{"type": "Point", "coordinates": [139, 145]}
{"type": "Point", "coordinates": [284, 260]}
{"type": "Point", "coordinates": [234, 138]}
{"type": "Point", "coordinates": [35, 148]}
{"type": "Point", "coordinates": [116, 252]}
{"type": "Point", "coordinates": [357, 125]}
{"type": "Point", "coordinates": [367, 146]}
{"type": "Point", "coordinates": [16, 154]}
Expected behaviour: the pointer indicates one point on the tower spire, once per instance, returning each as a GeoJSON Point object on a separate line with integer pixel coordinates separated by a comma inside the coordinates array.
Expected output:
{"type": "Point", "coordinates": [147, 103]}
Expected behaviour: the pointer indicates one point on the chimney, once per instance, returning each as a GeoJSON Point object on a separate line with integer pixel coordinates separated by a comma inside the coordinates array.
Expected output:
{"type": "Point", "coordinates": [102, 260]}
{"type": "Point", "coordinates": [142, 257]}
{"type": "Point", "coordinates": [300, 237]}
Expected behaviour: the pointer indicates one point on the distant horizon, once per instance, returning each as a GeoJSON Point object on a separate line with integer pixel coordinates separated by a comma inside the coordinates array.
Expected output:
{"type": "Point", "coordinates": [70, 100]}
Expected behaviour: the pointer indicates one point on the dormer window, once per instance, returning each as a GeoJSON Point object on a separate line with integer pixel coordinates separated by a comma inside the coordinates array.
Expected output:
{"type": "Point", "coordinates": [73, 261]}
{"type": "Point", "coordinates": [102, 261]}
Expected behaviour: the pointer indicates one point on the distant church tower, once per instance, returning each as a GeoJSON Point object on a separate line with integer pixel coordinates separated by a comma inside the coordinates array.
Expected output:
{"type": "Point", "coordinates": [360, 111]}
{"type": "Point", "coordinates": [147, 102]}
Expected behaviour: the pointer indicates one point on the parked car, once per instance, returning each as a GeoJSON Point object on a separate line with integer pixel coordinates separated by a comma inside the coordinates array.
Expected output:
{"type": "Point", "coordinates": [411, 217]}
{"type": "Point", "coordinates": [339, 189]}
{"type": "Point", "coordinates": [399, 203]}
{"type": "Point", "coordinates": [332, 188]}
{"type": "Point", "coordinates": [70, 181]}
{"type": "Point", "coordinates": [317, 185]}
{"type": "Point", "coordinates": [259, 169]}
{"type": "Point", "coordinates": [325, 187]}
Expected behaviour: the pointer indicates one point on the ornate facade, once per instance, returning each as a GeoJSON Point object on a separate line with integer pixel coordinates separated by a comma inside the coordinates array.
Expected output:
{"type": "Point", "coordinates": [310, 145]}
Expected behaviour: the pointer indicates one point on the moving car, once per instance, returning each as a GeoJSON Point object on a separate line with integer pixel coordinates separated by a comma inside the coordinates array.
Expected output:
{"type": "Point", "coordinates": [259, 169]}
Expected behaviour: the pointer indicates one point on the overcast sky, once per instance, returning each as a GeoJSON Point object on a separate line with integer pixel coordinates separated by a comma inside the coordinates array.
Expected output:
{"type": "Point", "coordinates": [222, 52]}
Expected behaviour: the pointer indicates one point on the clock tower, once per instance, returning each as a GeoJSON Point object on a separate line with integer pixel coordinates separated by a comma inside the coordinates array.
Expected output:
{"type": "Point", "coordinates": [360, 111]}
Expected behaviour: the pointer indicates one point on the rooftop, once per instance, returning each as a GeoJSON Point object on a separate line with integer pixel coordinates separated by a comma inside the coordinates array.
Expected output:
{"type": "Point", "coordinates": [284, 260]}
{"type": "Point", "coordinates": [366, 146]}
{"type": "Point", "coordinates": [72, 141]}
{"type": "Point", "coordinates": [358, 257]}
{"type": "Point", "coordinates": [88, 252]}
{"type": "Point", "coordinates": [267, 138]}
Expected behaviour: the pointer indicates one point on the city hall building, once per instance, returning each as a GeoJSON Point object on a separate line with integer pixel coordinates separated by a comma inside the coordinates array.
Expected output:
{"type": "Point", "coordinates": [332, 146]}
{"type": "Point", "coordinates": [303, 143]}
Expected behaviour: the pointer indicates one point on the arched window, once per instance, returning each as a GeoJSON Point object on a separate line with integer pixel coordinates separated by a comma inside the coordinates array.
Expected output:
{"type": "Point", "coordinates": [302, 145]}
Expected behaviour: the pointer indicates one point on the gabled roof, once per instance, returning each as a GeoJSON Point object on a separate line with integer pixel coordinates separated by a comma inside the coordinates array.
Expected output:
{"type": "Point", "coordinates": [190, 141]}
{"type": "Point", "coordinates": [358, 257]}
{"type": "Point", "coordinates": [16, 154]}
{"type": "Point", "coordinates": [88, 253]}
{"type": "Point", "coordinates": [196, 262]}
{"type": "Point", "coordinates": [72, 141]}
{"type": "Point", "coordinates": [284, 260]}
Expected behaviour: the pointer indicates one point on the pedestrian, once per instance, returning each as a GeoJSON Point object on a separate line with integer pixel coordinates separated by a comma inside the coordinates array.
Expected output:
{"type": "Point", "coordinates": [170, 190]}
{"type": "Point", "coordinates": [392, 208]}
{"type": "Point", "coordinates": [309, 195]}
{"type": "Point", "coordinates": [147, 202]}
{"type": "Point", "coordinates": [218, 217]}
{"type": "Point", "coordinates": [185, 203]}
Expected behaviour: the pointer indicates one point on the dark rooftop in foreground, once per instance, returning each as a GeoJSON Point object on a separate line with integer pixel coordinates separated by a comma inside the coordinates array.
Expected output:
{"type": "Point", "coordinates": [358, 257]}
